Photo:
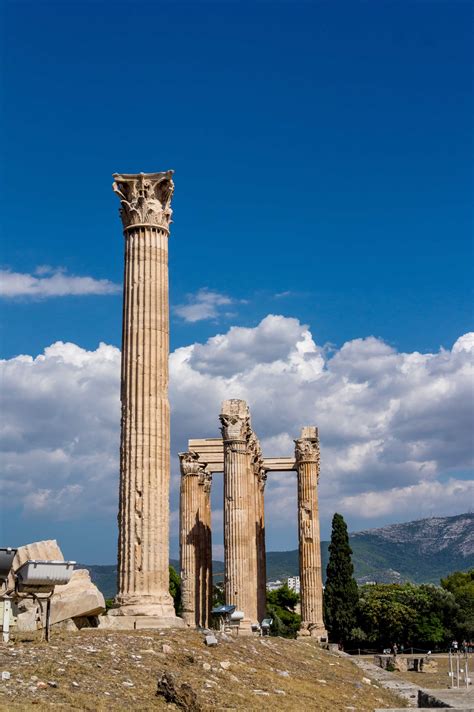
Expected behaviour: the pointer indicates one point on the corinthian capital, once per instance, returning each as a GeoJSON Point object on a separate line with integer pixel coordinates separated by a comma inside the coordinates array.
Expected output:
{"type": "Point", "coordinates": [307, 447]}
{"type": "Point", "coordinates": [145, 198]}
{"type": "Point", "coordinates": [235, 419]}
{"type": "Point", "coordinates": [190, 463]}
{"type": "Point", "coordinates": [205, 479]}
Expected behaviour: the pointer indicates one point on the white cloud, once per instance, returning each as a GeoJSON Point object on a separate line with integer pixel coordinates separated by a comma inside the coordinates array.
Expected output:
{"type": "Point", "coordinates": [50, 282]}
{"type": "Point", "coordinates": [205, 304]}
{"type": "Point", "coordinates": [395, 428]}
{"type": "Point", "coordinates": [415, 501]}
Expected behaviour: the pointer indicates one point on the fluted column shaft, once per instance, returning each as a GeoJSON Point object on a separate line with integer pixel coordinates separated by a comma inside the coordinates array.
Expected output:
{"type": "Point", "coordinates": [239, 517]}
{"type": "Point", "coordinates": [189, 544]}
{"type": "Point", "coordinates": [195, 541]}
{"type": "Point", "coordinates": [143, 556]}
{"type": "Point", "coordinates": [311, 586]}
{"type": "Point", "coordinates": [205, 557]}
{"type": "Point", "coordinates": [260, 541]}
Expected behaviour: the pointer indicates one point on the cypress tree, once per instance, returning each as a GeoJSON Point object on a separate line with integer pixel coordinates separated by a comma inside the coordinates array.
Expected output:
{"type": "Point", "coordinates": [341, 594]}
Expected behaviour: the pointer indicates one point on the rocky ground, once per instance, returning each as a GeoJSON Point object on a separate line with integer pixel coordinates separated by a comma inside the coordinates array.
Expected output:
{"type": "Point", "coordinates": [104, 670]}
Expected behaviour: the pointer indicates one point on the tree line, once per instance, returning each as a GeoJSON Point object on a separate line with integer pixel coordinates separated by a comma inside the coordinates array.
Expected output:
{"type": "Point", "coordinates": [380, 615]}
{"type": "Point", "coordinates": [373, 616]}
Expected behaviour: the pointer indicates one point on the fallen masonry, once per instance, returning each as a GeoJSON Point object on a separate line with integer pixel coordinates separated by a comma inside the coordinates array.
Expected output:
{"type": "Point", "coordinates": [76, 603]}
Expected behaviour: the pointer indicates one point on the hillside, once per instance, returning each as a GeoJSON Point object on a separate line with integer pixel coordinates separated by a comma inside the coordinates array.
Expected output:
{"type": "Point", "coordinates": [421, 551]}
{"type": "Point", "coordinates": [101, 670]}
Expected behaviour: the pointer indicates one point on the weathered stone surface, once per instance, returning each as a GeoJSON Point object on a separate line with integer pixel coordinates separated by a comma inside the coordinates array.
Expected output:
{"type": "Point", "coordinates": [78, 598]}
{"type": "Point", "coordinates": [210, 640]}
{"type": "Point", "coordinates": [240, 547]}
{"type": "Point", "coordinates": [123, 622]}
{"type": "Point", "coordinates": [307, 463]}
{"type": "Point", "coordinates": [143, 554]}
{"type": "Point", "coordinates": [195, 541]}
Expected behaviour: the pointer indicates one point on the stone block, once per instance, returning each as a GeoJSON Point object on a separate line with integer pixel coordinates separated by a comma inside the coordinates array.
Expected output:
{"type": "Point", "coordinates": [78, 598]}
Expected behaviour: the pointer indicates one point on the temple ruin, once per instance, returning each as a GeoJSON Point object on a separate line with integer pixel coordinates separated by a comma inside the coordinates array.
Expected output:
{"type": "Point", "coordinates": [238, 455]}
{"type": "Point", "coordinates": [143, 598]}
{"type": "Point", "coordinates": [143, 550]}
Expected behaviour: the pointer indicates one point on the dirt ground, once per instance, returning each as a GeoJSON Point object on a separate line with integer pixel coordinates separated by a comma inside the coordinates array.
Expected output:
{"type": "Point", "coordinates": [105, 670]}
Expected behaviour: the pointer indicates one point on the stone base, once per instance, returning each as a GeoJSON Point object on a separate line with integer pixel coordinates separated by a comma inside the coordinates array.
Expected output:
{"type": "Point", "coordinates": [124, 622]}
{"type": "Point", "coordinates": [319, 634]}
{"type": "Point", "coordinates": [150, 605]}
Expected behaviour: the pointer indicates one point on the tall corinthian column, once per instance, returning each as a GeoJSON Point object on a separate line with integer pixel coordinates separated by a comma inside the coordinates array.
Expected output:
{"type": "Point", "coordinates": [239, 519]}
{"type": "Point", "coordinates": [143, 577]}
{"type": "Point", "coordinates": [307, 464]}
{"type": "Point", "coordinates": [261, 552]}
{"type": "Point", "coordinates": [195, 541]}
{"type": "Point", "coordinates": [258, 509]}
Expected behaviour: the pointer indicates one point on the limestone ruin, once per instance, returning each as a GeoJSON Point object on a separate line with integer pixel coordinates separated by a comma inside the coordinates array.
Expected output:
{"type": "Point", "coordinates": [239, 456]}
{"type": "Point", "coordinates": [143, 578]}
{"type": "Point", "coordinates": [77, 603]}
{"type": "Point", "coordinates": [143, 599]}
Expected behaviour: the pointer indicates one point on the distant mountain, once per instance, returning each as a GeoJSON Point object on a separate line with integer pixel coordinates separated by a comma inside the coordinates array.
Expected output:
{"type": "Point", "coordinates": [422, 551]}
{"type": "Point", "coordinates": [105, 576]}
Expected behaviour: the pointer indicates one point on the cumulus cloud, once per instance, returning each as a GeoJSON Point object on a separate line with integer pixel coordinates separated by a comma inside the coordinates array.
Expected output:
{"type": "Point", "coordinates": [204, 304]}
{"type": "Point", "coordinates": [395, 427]}
{"type": "Point", "coordinates": [49, 282]}
{"type": "Point", "coordinates": [59, 431]}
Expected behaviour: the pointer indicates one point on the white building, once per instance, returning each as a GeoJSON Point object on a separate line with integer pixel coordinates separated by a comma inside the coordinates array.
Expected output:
{"type": "Point", "coordinates": [294, 584]}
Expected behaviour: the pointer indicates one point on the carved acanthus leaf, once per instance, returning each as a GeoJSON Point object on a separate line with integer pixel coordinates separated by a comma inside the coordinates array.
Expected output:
{"type": "Point", "coordinates": [307, 450]}
{"type": "Point", "coordinates": [205, 480]}
{"type": "Point", "coordinates": [190, 463]}
{"type": "Point", "coordinates": [145, 198]}
{"type": "Point", "coordinates": [234, 427]}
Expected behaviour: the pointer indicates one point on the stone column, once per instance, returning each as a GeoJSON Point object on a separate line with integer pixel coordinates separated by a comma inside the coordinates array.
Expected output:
{"type": "Point", "coordinates": [258, 512]}
{"type": "Point", "coordinates": [261, 551]}
{"type": "Point", "coordinates": [205, 569]}
{"type": "Point", "coordinates": [195, 541]}
{"type": "Point", "coordinates": [239, 522]}
{"type": "Point", "coordinates": [307, 464]}
{"type": "Point", "coordinates": [143, 556]}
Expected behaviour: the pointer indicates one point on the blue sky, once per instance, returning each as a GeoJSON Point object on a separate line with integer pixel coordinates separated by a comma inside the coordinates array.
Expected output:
{"type": "Point", "coordinates": [323, 158]}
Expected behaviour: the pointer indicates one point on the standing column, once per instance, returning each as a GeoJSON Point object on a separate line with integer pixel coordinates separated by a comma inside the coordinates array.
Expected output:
{"type": "Point", "coordinates": [195, 541]}
{"type": "Point", "coordinates": [261, 552]}
{"type": "Point", "coordinates": [258, 533]}
{"type": "Point", "coordinates": [205, 567]}
{"type": "Point", "coordinates": [189, 536]}
{"type": "Point", "coordinates": [143, 556]}
{"type": "Point", "coordinates": [240, 556]}
{"type": "Point", "coordinates": [307, 464]}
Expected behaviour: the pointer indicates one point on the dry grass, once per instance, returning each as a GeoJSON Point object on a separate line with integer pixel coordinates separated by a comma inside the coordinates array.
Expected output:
{"type": "Point", "coordinates": [264, 674]}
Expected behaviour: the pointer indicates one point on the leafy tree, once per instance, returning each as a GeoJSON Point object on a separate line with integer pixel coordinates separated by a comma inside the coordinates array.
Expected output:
{"type": "Point", "coordinates": [175, 589]}
{"type": "Point", "coordinates": [461, 585]}
{"type": "Point", "coordinates": [218, 594]}
{"type": "Point", "coordinates": [281, 607]}
{"type": "Point", "coordinates": [418, 616]}
{"type": "Point", "coordinates": [341, 595]}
